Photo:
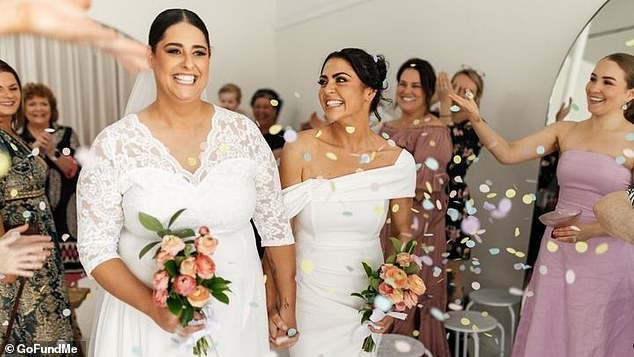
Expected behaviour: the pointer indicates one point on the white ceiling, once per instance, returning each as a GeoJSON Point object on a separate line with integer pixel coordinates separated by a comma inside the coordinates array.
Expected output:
{"type": "Point", "coordinates": [607, 34]}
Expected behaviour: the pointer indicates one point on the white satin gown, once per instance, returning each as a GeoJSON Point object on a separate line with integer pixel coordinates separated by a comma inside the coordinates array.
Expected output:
{"type": "Point", "coordinates": [132, 172]}
{"type": "Point", "coordinates": [337, 225]}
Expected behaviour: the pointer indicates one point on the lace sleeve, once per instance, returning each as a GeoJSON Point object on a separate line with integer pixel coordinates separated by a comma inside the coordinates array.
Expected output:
{"type": "Point", "coordinates": [99, 211]}
{"type": "Point", "coordinates": [270, 215]}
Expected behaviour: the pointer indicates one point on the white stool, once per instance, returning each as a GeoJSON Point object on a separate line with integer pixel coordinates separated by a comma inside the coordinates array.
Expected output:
{"type": "Point", "coordinates": [496, 298]}
{"type": "Point", "coordinates": [393, 345]}
{"type": "Point", "coordinates": [472, 323]}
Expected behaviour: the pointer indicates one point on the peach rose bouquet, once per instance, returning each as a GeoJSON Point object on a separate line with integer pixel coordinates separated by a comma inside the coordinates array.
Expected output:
{"type": "Point", "coordinates": [393, 288]}
{"type": "Point", "coordinates": [186, 279]}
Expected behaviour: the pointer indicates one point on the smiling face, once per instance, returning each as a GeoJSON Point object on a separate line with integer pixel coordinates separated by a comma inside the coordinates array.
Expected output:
{"type": "Point", "coordinates": [607, 90]}
{"type": "Point", "coordinates": [37, 111]}
{"type": "Point", "coordinates": [342, 94]}
{"type": "Point", "coordinates": [461, 83]}
{"type": "Point", "coordinates": [410, 95]}
{"type": "Point", "coordinates": [264, 112]}
{"type": "Point", "coordinates": [10, 95]}
{"type": "Point", "coordinates": [181, 62]}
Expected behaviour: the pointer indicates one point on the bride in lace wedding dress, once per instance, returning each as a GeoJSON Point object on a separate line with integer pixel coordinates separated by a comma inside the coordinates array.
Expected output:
{"type": "Point", "coordinates": [181, 152]}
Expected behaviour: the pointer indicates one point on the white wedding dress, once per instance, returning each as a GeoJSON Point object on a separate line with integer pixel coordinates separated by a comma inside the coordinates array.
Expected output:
{"type": "Point", "coordinates": [130, 172]}
{"type": "Point", "coordinates": [336, 227]}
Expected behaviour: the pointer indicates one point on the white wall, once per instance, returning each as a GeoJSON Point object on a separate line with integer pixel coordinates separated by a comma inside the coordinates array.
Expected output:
{"type": "Point", "coordinates": [518, 45]}
{"type": "Point", "coordinates": [242, 36]}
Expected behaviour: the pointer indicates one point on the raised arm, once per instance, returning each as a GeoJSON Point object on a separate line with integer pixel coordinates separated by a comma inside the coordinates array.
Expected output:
{"type": "Point", "coordinates": [527, 148]}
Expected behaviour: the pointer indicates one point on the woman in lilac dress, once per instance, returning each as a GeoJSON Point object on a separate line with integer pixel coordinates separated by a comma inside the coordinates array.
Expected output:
{"type": "Point", "coordinates": [581, 300]}
{"type": "Point", "coordinates": [429, 141]}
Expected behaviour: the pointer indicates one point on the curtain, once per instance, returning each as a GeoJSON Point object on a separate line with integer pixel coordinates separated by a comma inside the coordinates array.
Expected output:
{"type": "Point", "coordinates": [91, 87]}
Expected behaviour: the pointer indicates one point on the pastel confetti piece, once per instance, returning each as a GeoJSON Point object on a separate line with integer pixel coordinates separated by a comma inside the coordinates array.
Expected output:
{"type": "Point", "coordinates": [488, 206]}
{"type": "Point", "coordinates": [415, 333]}
{"type": "Point", "coordinates": [581, 247]}
{"type": "Point", "coordinates": [527, 199]}
{"type": "Point", "coordinates": [427, 260]}
{"type": "Point", "coordinates": [66, 151]}
{"type": "Point", "coordinates": [517, 232]}
{"type": "Point", "coordinates": [385, 135]}
{"type": "Point", "coordinates": [395, 208]}
{"type": "Point", "coordinates": [42, 205]}
{"type": "Point", "coordinates": [516, 291]}
{"type": "Point", "coordinates": [629, 153]}
{"type": "Point", "coordinates": [629, 137]}
{"type": "Point", "coordinates": [26, 214]}
{"type": "Point", "coordinates": [470, 225]}
{"type": "Point", "coordinates": [307, 156]}
{"type": "Point", "coordinates": [458, 179]}
{"type": "Point", "coordinates": [13, 192]}
{"type": "Point", "coordinates": [453, 214]}
{"type": "Point", "coordinates": [428, 204]}
{"type": "Point", "coordinates": [570, 276]}
{"type": "Point", "coordinates": [457, 159]}
{"type": "Point", "coordinates": [290, 135]}
{"type": "Point", "coordinates": [484, 188]}
{"type": "Point", "coordinates": [432, 163]}
{"type": "Point", "coordinates": [382, 303]}
{"type": "Point", "coordinates": [437, 314]}
{"type": "Point", "coordinates": [297, 95]}
{"type": "Point", "coordinates": [275, 129]}
{"type": "Point", "coordinates": [35, 151]}
{"type": "Point", "coordinates": [511, 250]}
{"type": "Point", "coordinates": [491, 195]}
{"type": "Point", "coordinates": [391, 142]}
{"type": "Point", "coordinates": [620, 160]}
{"type": "Point", "coordinates": [520, 254]}
{"type": "Point", "coordinates": [505, 205]}
{"type": "Point", "coordinates": [416, 122]}
{"type": "Point", "coordinates": [436, 271]}
{"type": "Point", "coordinates": [552, 246]}
{"type": "Point", "coordinates": [350, 129]}
{"type": "Point", "coordinates": [470, 244]}
{"type": "Point", "coordinates": [318, 133]}
{"type": "Point", "coordinates": [543, 270]}
{"type": "Point", "coordinates": [540, 150]}
{"type": "Point", "coordinates": [66, 312]}
{"type": "Point", "coordinates": [494, 251]}
{"type": "Point", "coordinates": [601, 249]}
{"type": "Point", "coordinates": [65, 237]}
{"type": "Point", "coordinates": [455, 307]}
{"type": "Point", "coordinates": [307, 266]}
{"type": "Point", "coordinates": [510, 193]}
{"type": "Point", "coordinates": [274, 103]}
{"type": "Point", "coordinates": [331, 156]}
{"type": "Point", "coordinates": [475, 285]}
{"type": "Point", "coordinates": [465, 321]}
{"type": "Point", "coordinates": [364, 159]}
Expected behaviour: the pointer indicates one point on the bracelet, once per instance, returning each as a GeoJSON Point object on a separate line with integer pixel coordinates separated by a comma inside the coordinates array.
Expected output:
{"type": "Point", "coordinates": [630, 194]}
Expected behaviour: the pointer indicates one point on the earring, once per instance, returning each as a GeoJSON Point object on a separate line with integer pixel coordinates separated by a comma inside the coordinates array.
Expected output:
{"type": "Point", "coordinates": [624, 107]}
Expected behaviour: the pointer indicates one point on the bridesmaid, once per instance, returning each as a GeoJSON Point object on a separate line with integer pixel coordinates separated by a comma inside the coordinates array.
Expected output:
{"type": "Point", "coordinates": [429, 141]}
{"type": "Point", "coordinates": [581, 301]}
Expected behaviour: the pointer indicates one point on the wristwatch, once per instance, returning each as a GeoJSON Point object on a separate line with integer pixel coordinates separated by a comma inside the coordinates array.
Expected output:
{"type": "Point", "coordinates": [630, 194]}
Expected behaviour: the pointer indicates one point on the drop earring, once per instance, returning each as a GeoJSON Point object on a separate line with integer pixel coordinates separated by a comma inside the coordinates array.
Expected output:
{"type": "Point", "coordinates": [624, 107]}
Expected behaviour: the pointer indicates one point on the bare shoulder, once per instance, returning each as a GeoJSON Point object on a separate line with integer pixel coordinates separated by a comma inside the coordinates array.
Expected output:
{"type": "Point", "coordinates": [433, 120]}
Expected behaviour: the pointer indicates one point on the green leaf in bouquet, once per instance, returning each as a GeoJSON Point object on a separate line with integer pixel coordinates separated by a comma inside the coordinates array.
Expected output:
{"type": "Point", "coordinates": [174, 305]}
{"type": "Point", "coordinates": [149, 222]}
{"type": "Point", "coordinates": [187, 315]}
{"type": "Point", "coordinates": [222, 297]}
{"type": "Point", "coordinates": [391, 259]}
{"type": "Point", "coordinates": [396, 244]}
{"type": "Point", "coordinates": [163, 232]}
{"type": "Point", "coordinates": [147, 248]}
{"type": "Point", "coordinates": [366, 316]}
{"type": "Point", "coordinates": [409, 247]}
{"type": "Point", "coordinates": [357, 295]}
{"type": "Point", "coordinates": [413, 268]}
{"type": "Point", "coordinates": [175, 216]}
{"type": "Point", "coordinates": [171, 268]}
{"type": "Point", "coordinates": [178, 260]}
{"type": "Point", "coordinates": [367, 268]}
{"type": "Point", "coordinates": [216, 284]}
{"type": "Point", "coordinates": [374, 283]}
{"type": "Point", "coordinates": [183, 233]}
{"type": "Point", "coordinates": [189, 249]}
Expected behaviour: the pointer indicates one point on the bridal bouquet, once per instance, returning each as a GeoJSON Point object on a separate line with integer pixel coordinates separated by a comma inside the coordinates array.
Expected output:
{"type": "Point", "coordinates": [186, 277]}
{"type": "Point", "coordinates": [393, 288]}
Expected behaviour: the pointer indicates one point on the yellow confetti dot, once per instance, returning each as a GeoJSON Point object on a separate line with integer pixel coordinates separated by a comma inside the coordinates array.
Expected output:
{"type": "Point", "coordinates": [274, 102]}
{"type": "Point", "coordinates": [432, 143]}
{"type": "Point", "coordinates": [307, 266]}
{"type": "Point", "coordinates": [15, 148]}
{"type": "Point", "coordinates": [415, 333]}
{"type": "Point", "coordinates": [465, 321]}
{"type": "Point", "coordinates": [552, 246]}
{"type": "Point", "coordinates": [457, 159]}
{"type": "Point", "coordinates": [511, 250]}
{"type": "Point", "coordinates": [581, 247]}
{"type": "Point", "coordinates": [13, 192]}
{"type": "Point", "coordinates": [192, 161]}
{"type": "Point", "coordinates": [510, 193]}
{"type": "Point", "coordinates": [527, 199]}
{"type": "Point", "coordinates": [318, 133]}
{"type": "Point", "coordinates": [484, 313]}
{"type": "Point", "coordinates": [265, 278]}
{"type": "Point", "coordinates": [491, 195]}
{"type": "Point", "coordinates": [331, 156]}
{"type": "Point", "coordinates": [464, 240]}
{"type": "Point", "coordinates": [395, 208]}
{"type": "Point", "coordinates": [601, 248]}
{"type": "Point", "coordinates": [520, 254]}
{"type": "Point", "coordinates": [275, 129]}
{"type": "Point", "coordinates": [428, 187]}
{"type": "Point", "coordinates": [416, 122]}
{"type": "Point", "coordinates": [475, 328]}
{"type": "Point", "coordinates": [350, 129]}
{"type": "Point", "coordinates": [472, 157]}
{"type": "Point", "coordinates": [379, 210]}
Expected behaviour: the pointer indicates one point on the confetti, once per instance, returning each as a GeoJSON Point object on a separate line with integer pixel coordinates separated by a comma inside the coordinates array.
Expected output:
{"type": "Point", "coordinates": [331, 156]}
{"type": "Point", "coordinates": [494, 251]}
{"type": "Point", "coordinates": [581, 247]}
{"type": "Point", "coordinates": [457, 159]}
{"type": "Point", "coordinates": [470, 225]}
{"type": "Point", "coordinates": [437, 314]}
{"type": "Point", "coordinates": [540, 150]}
{"type": "Point", "coordinates": [436, 271]}
{"type": "Point", "coordinates": [570, 276]}
{"type": "Point", "coordinates": [290, 135]}
{"type": "Point", "coordinates": [505, 205]}
{"type": "Point", "coordinates": [470, 244]}
{"type": "Point", "coordinates": [415, 333]}
{"type": "Point", "coordinates": [453, 214]}
{"type": "Point", "coordinates": [307, 266]}
{"type": "Point", "coordinates": [454, 108]}
{"type": "Point", "coordinates": [620, 160]}
{"type": "Point", "coordinates": [428, 204]}
{"type": "Point", "coordinates": [307, 156]}
{"type": "Point", "coordinates": [629, 137]}
{"type": "Point", "coordinates": [402, 346]}
{"type": "Point", "coordinates": [432, 164]}
{"type": "Point", "coordinates": [297, 95]}
{"type": "Point", "coordinates": [465, 321]}
{"type": "Point", "coordinates": [629, 153]}
{"type": "Point", "coordinates": [26, 214]}
{"type": "Point", "coordinates": [275, 129]}
{"type": "Point", "coordinates": [364, 159]}
{"type": "Point", "coordinates": [65, 237]}
{"type": "Point", "coordinates": [318, 133]}
{"type": "Point", "coordinates": [510, 193]}
{"type": "Point", "coordinates": [516, 291]}
{"type": "Point", "coordinates": [475, 285]}
{"type": "Point", "coordinates": [527, 199]}
{"type": "Point", "coordinates": [427, 260]}
{"type": "Point", "coordinates": [552, 246]}
{"type": "Point", "coordinates": [13, 192]}
{"type": "Point", "coordinates": [395, 208]}
{"type": "Point", "coordinates": [382, 303]}
{"type": "Point", "coordinates": [35, 151]}
{"type": "Point", "coordinates": [543, 270]}
{"type": "Point", "coordinates": [601, 249]}
{"type": "Point", "coordinates": [350, 129]}
{"type": "Point", "coordinates": [511, 250]}
{"type": "Point", "coordinates": [517, 232]}
{"type": "Point", "coordinates": [484, 188]}
{"type": "Point", "coordinates": [66, 312]}
{"type": "Point", "coordinates": [42, 205]}
{"type": "Point", "coordinates": [274, 103]}
{"type": "Point", "coordinates": [66, 151]}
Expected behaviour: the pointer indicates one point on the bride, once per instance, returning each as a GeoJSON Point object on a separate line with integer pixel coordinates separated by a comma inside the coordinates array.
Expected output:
{"type": "Point", "coordinates": [182, 152]}
{"type": "Point", "coordinates": [340, 182]}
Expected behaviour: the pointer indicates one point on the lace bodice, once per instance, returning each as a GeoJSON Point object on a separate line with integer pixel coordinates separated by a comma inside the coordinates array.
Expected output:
{"type": "Point", "coordinates": [130, 171]}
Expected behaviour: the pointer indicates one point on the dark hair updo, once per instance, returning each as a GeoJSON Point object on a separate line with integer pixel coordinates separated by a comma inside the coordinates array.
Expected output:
{"type": "Point", "coordinates": [269, 94]}
{"type": "Point", "coordinates": [371, 70]}
{"type": "Point", "coordinates": [170, 17]}
{"type": "Point", "coordinates": [5, 67]}
{"type": "Point", "coordinates": [427, 77]}
{"type": "Point", "coordinates": [626, 62]}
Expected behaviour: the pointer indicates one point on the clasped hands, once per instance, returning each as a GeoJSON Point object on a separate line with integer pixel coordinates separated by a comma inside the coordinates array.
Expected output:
{"type": "Point", "coordinates": [283, 332]}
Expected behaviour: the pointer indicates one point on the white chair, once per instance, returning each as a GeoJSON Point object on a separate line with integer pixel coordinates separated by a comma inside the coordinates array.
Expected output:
{"type": "Point", "coordinates": [496, 298]}
{"type": "Point", "coordinates": [472, 323]}
{"type": "Point", "coordinates": [393, 345]}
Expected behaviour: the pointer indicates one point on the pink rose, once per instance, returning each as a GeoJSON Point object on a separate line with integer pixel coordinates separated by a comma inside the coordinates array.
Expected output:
{"type": "Point", "coordinates": [400, 306]}
{"type": "Point", "coordinates": [205, 266]}
{"type": "Point", "coordinates": [160, 280]}
{"type": "Point", "coordinates": [206, 244]}
{"type": "Point", "coordinates": [394, 276]}
{"type": "Point", "coordinates": [204, 230]}
{"type": "Point", "coordinates": [385, 289]}
{"type": "Point", "coordinates": [172, 244]}
{"type": "Point", "coordinates": [416, 284]}
{"type": "Point", "coordinates": [184, 285]}
{"type": "Point", "coordinates": [188, 267]}
{"type": "Point", "coordinates": [396, 296]}
{"type": "Point", "coordinates": [410, 299]}
{"type": "Point", "coordinates": [163, 257]}
{"type": "Point", "coordinates": [160, 297]}
{"type": "Point", "coordinates": [199, 297]}
{"type": "Point", "coordinates": [403, 259]}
